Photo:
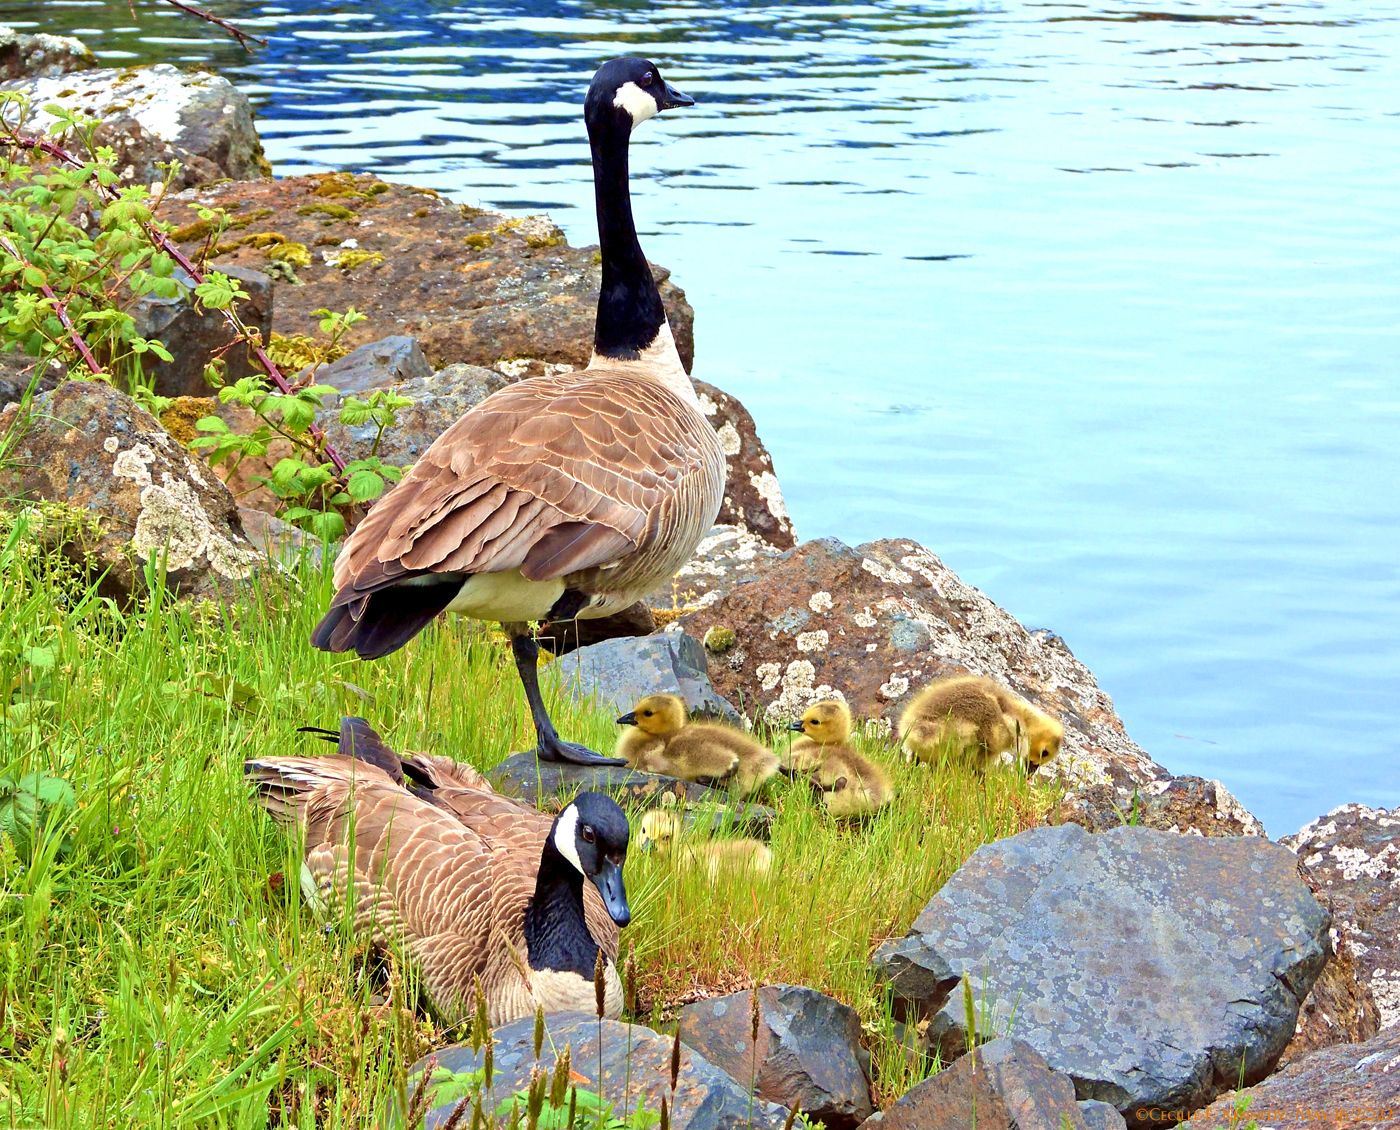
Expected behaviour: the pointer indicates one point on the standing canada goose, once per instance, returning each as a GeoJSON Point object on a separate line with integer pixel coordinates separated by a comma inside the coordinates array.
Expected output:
{"type": "Point", "coordinates": [852, 785]}
{"type": "Point", "coordinates": [666, 741]}
{"type": "Point", "coordinates": [557, 497]}
{"type": "Point", "coordinates": [978, 717]}
{"type": "Point", "coordinates": [662, 829]}
{"type": "Point", "coordinates": [473, 884]}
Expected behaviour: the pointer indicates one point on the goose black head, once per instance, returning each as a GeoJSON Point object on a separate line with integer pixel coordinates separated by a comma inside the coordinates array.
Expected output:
{"type": "Point", "coordinates": [591, 833]}
{"type": "Point", "coordinates": [627, 92]}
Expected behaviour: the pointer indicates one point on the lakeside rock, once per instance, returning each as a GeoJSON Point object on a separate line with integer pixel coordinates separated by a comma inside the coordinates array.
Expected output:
{"type": "Point", "coordinates": [636, 1071]}
{"type": "Point", "coordinates": [1351, 857]}
{"type": "Point", "coordinates": [137, 494]}
{"type": "Point", "coordinates": [617, 672]}
{"type": "Point", "coordinates": [752, 498]}
{"type": "Point", "coordinates": [155, 114]}
{"type": "Point", "coordinates": [874, 623]}
{"type": "Point", "coordinates": [1348, 1087]}
{"type": "Point", "coordinates": [1154, 969]}
{"type": "Point", "coordinates": [1007, 1085]}
{"type": "Point", "coordinates": [808, 1052]}
{"type": "Point", "coordinates": [1193, 806]}
{"type": "Point", "coordinates": [726, 556]}
{"type": "Point", "coordinates": [40, 55]}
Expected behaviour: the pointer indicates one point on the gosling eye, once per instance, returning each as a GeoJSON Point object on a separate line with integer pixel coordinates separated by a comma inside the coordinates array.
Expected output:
{"type": "Point", "coordinates": [586, 834]}
{"type": "Point", "coordinates": [648, 713]}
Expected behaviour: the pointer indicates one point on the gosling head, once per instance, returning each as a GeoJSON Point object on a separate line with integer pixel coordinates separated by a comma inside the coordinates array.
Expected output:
{"type": "Point", "coordinates": [659, 715]}
{"type": "Point", "coordinates": [659, 828]}
{"type": "Point", "coordinates": [1043, 740]}
{"type": "Point", "coordinates": [591, 833]}
{"type": "Point", "coordinates": [626, 92]}
{"type": "Point", "coordinates": [826, 723]}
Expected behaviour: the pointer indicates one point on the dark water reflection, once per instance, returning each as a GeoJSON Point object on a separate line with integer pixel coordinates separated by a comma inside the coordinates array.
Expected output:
{"type": "Point", "coordinates": [1099, 301]}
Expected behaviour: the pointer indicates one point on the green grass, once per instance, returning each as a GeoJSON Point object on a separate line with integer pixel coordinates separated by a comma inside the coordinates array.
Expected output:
{"type": "Point", "coordinates": [152, 975]}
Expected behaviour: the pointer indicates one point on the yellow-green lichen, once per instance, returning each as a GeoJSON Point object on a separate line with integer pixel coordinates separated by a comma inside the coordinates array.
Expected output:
{"type": "Point", "coordinates": [350, 259]}
{"type": "Point", "coordinates": [467, 212]}
{"type": "Point", "coordinates": [293, 352]}
{"type": "Point", "coordinates": [479, 240]}
{"type": "Point", "coordinates": [184, 411]}
{"type": "Point", "coordinates": [297, 254]}
{"type": "Point", "coordinates": [345, 185]}
{"type": "Point", "coordinates": [325, 208]}
{"type": "Point", "coordinates": [719, 639]}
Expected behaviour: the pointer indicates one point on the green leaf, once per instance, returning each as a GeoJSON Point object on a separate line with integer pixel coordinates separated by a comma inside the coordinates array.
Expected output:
{"type": "Point", "coordinates": [214, 424]}
{"type": "Point", "coordinates": [34, 277]}
{"type": "Point", "coordinates": [328, 526]}
{"type": "Point", "coordinates": [363, 486]}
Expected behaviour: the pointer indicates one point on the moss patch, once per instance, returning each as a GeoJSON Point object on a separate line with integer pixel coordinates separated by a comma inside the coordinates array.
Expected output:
{"type": "Point", "coordinates": [326, 208]}
{"type": "Point", "coordinates": [296, 254]}
{"type": "Point", "coordinates": [479, 240]}
{"type": "Point", "coordinates": [294, 352]}
{"type": "Point", "coordinates": [350, 259]}
{"type": "Point", "coordinates": [180, 418]}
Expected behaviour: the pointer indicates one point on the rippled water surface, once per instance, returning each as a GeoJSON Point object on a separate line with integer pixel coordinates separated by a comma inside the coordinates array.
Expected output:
{"type": "Point", "coordinates": [1098, 301]}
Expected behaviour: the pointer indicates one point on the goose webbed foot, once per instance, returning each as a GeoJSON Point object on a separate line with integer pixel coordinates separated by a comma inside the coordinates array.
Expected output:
{"type": "Point", "coordinates": [550, 746]}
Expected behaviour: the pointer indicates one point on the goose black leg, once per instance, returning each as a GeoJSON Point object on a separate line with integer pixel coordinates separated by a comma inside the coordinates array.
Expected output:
{"type": "Point", "coordinates": [550, 747]}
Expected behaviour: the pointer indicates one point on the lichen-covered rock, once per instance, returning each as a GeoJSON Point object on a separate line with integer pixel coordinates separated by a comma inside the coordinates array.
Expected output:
{"type": "Point", "coordinates": [1347, 1087]}
{"type": "Point", "coordinates": [155, 114]}
{"type": "Point", "coordinates": [1154, 969]}
{"type": "Point", "coordinates": [473, 286]}
{"type": "Point", "coordinates": [90, 447]}
{"type": "Point", "coordinates": [618, 672]}
{"type": "Point", "coordinates": [1340, 1008]}
{"type": "Point", "coordinates": [1351, 857]}
{"type": "Point", "coordinates": [727, 556]}
{"type": "Point", "coordinates": [873, 624]}
{"type": "Point", "coordinates": [636, 1071]}
{"type": "Point", "coordinates": [753, 500]}
{"type": "Point", "coordinates": [40, 56]}
{"type": "Point", "coordinates": [808, 1052]}
{"type": "Point", "coordinates": [194, 335]}
{"type": "Point", "coordinates": [1193, 806]}
{"type": "Point", "coordinates": [1006, 1086]}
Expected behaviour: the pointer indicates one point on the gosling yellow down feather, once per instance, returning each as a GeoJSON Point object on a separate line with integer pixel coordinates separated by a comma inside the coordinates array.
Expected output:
{"type": "Point", "coordinates": [852, 785]}
{"type": "Point", "coordinates": [662, 828]}
{"type": "Point", "coordinates": [976, 717]}
{"type": "Point", "coordinates": [664, 740]}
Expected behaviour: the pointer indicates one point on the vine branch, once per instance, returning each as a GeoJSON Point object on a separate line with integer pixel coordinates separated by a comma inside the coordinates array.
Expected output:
{"type": "Point", "coordinates": [243, 37]}
{"type": "Point", "coordinates": [59, 308]}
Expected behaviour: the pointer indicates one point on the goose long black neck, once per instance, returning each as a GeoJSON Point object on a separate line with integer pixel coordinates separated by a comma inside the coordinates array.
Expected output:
{"type": "Point", "coordinates": [630, 313]}
{"type": "Point", "coordinates": [556, 936]}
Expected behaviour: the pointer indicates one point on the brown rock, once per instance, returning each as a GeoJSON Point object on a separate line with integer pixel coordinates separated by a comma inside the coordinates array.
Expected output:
{"type": "Point", "coordinates": [40, 56]}
{"type": "Point", "coordinates": [570, 635]}
{"type": "Point", "coordinates": [878, 621]}
{"type": "Point", "coordinates": [1189, 805]}
{"type": "Point", "coordinates": [1339, 1010]}
{"type": "Point", "coordinates": [155, 114]}
{"type": "Point", "coordinates": [1007, 1085]}
{"type": "Point", "coordinates": [728, 556]}
{"type": "Point", "coordinates": [753, 500]}
{"type": "Point", "coordinates": [1351, 859]}
{"type": "Point", "coordinates": [1347, 1087]}
{"type": "Point", "coordinates": [472, 286]}
{"type": "Point", "coordinates": [90, 448]}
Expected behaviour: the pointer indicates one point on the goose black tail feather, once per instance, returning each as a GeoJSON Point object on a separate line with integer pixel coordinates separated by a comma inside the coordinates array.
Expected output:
{"type": "Point", "coordinates": [385, 620]}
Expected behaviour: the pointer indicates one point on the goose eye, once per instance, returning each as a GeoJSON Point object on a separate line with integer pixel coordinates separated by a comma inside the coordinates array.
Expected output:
{"type": "Point", "coordinates": [586, 834]}
{"type": "Point", "coordinates": [646, 78]}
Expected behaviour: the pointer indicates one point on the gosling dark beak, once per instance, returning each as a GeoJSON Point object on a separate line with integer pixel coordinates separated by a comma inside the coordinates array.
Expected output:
{"type": "Point", "coordinates": [628, 719]}
{"type": "Point", "coordinates": [796, 726]}
{"type": "Point", "coordinates": [609, 884]}
{"type": "Point", "coordinates": [671, 98]}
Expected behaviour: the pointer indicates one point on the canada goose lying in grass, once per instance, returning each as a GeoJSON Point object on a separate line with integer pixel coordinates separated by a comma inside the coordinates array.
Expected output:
{"type": "Point", "coordinates": [662, 829]}
{"type": "Point", "coordinates": [978, 718]}
{"type": "Point", "coordinates": [557, 497]}
{"type": "Point", "coordinates": [852, 785]}
{"type": "Point", "coordinates": [666, 741]}
{"type": "Point", "coordinates": [471, 883]}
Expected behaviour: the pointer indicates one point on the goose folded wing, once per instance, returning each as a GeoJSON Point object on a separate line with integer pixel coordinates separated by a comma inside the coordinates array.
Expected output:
{"type": "Point", "coordinates": [550, 476]}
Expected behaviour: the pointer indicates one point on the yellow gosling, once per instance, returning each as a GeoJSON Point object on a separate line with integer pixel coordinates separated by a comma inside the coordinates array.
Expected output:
{"type": "Point", "coordinates": [661, 829]}
{"type": "Point", "coordinates": [666, 741]}
{"type": "Point", "coordinates": [853, 786]}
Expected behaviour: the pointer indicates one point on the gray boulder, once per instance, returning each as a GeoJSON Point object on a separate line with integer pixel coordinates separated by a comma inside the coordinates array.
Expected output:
{"type": "Point", "coordinates": [636, 1070]}
{"type": "Point", "coordinates": [40, 56]}
{"type": "Point", "coordinates": [808, 1053]}
{"type": "Point", "coordinates": [377, 364]}
{"type": "Point", "coordinates": [1150, 967]}
{"type": "Point", "coordinates": [194, 335]}
{"type": "Point", "coordinates": [156, 114]}
{"type": "Point", "coordinates": [618, 672]}
{"type": "Point", "coordinates": [1007, 1085]}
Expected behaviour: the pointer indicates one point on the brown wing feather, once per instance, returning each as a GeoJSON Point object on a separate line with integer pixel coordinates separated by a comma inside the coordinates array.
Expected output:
{"type": "Point", "coordinates": [597, 453]}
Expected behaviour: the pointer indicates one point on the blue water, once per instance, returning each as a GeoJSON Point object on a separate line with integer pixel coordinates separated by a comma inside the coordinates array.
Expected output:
{"type": "Point", "coordinates": [1101, 303]}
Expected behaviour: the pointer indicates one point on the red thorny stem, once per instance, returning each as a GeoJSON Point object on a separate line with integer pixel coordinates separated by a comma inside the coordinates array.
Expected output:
{"type": "Point", "coordinates": [59, 309]}
{"type": "Point", "coordinates": [158, 238]}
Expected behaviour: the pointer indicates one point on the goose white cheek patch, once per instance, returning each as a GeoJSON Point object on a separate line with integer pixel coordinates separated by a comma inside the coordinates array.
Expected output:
{"type": "Point", "coordinates": [636, 101]}
{"type": "Point", "coordinates": [564, 832]}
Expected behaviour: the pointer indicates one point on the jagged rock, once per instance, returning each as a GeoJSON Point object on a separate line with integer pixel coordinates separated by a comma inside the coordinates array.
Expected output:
{"type": "Point", "coordinates": [808, 1052]}
{"type": "Point", "coordinates": [550, 785]}
{"type": "Point", "coordinates": [875, 623]}
{"type": "Point", "coordinates": [727, 556]}
{"type": "Point", "coordinates": [473, 286]}
{"type": "Point", "coordinates": [1190, 805]}
{"type": "Point", "coordinates": [1154, 969]}
{"type": "Point", "coordinates": [378, 364]}
{"type": "Point", "coordinates": [278, 540]}
{"type": "Point", "coordinates": [17, 374]}
{"type": "Point", "coordinates": [618, 672]}
{"type": "Point", "coordinates": [1340, 1008]}
{"type": "Point", "coordinates": [1351, 857]}
{"type": "Point", "coordinates": [193, 335]}
{"type": "Point", "coordinates": [1008, 1087]}
{"type": "Point", "coordinates": [40, 56]}
{"type": "Point", "coordinates": [1099, 1115]}
{"type": "Point", "coordinates": [636, 1069]}
{"type": "Point", "coordinates": [1347, 1087]}
{"type": "Point", "coordinates": [89, 447]}
{"type": "Point", "coordinates": [154, 114]}
{"type": "Point", "coordinates": [565, 636]}
{"type": "Point", "coordinates": [752, 498]}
